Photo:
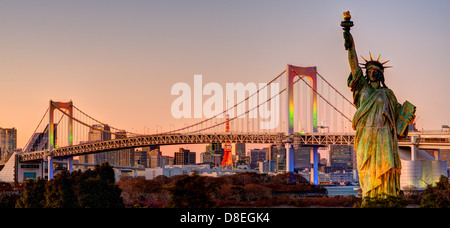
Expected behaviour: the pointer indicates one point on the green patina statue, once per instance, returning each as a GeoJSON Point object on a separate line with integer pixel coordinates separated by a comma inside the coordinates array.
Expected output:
{"type": "Point", "coordinates": [379, 121]}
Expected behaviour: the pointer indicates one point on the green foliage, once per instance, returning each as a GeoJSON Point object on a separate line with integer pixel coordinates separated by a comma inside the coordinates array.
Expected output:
{"type": "Point", "coordinates": [438, 196]}
{"type": "Point", "coordinates": [59, 192]}
{"type": "Point", "coordinates": [33, 194]}
{"type": "Point", "coordinates": [90, 189]}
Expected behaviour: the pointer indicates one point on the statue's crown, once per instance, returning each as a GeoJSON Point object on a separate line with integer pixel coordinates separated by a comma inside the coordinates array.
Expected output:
{"type": "Point", "coordinates": [374, 63]}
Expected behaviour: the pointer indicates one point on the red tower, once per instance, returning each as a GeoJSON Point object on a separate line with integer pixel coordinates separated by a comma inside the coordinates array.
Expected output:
{"type": "Point", "coordinates": [227, 160]}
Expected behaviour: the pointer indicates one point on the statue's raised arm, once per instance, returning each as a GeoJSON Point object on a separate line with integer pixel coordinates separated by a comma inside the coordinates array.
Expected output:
{"type": "Point", "coordinates": [350, 43]}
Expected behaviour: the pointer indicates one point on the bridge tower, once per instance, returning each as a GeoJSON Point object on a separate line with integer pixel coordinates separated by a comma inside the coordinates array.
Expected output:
{"type": "Point", "coordinates": [52, 137]}
{"type": "Point", "coordinates": [310, 73]}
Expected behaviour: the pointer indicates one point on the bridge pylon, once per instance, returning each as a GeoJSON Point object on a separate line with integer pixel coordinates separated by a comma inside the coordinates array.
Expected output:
{"type": "Point", "coordinates": [52, 136]}
{"type": "Point", "coordinates": [310, 73]}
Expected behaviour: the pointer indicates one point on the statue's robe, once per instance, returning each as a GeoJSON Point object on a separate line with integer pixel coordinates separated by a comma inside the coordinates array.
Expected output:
{"type": "Point", "coordinates": [376, 144]}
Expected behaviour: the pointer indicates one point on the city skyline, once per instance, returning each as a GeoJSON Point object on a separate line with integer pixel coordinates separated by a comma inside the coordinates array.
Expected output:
{"type": "Point", "coordinates": [114, 58]}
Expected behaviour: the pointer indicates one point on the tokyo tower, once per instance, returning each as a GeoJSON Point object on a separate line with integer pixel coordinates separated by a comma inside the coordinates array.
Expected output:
{"type": "Point", "coordinates": [227, 160]}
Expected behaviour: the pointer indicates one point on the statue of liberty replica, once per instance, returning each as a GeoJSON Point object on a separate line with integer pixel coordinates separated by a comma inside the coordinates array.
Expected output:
{"type": "Point", "coordinates": [379, 122]}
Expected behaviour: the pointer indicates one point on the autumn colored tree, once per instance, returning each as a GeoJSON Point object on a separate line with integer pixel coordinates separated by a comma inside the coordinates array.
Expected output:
{"type": "Point", "coordinates": [190, 192]}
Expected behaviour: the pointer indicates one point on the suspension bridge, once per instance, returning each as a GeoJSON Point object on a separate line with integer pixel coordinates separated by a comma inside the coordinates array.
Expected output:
{"type": "Point", "coordinates": [313, 113]}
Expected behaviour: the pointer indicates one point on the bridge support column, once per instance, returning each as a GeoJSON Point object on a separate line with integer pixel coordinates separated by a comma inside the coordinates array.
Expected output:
{"type": "Point", "coordinates": [413, 148]}
{"type": "Point", "coordinates": [289, 157]}
{"type": "Point", "coordinates": [50, 167]}
{"type": "Point", "coordinates": [70, 164]}
{"type": "Point", "coordinates": [314, 179]}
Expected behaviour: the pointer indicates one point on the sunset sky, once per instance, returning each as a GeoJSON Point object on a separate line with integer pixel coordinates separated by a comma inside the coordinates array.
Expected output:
{"type": "Point", "coordinates": [117, 60]}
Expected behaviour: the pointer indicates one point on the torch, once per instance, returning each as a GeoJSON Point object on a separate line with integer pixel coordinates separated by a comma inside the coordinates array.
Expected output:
{"type": "Point", "coordinates": [346, 25]}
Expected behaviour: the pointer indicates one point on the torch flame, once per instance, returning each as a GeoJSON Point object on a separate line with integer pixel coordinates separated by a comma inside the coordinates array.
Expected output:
{"type": "Point", "coordinates": [347, 15]}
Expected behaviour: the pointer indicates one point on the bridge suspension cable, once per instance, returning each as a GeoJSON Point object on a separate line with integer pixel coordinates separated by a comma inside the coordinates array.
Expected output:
{"type": "Point", "coordinates": [92, 118]}
{"type": "Point", "coordinates": [225, 111]}
{"type": "Point", "coordinates": [199, 125]}
{"type": "Point", "coordinates": [87, 125]}
{"type": "Point", "coordinates": [262, 103]}
{"type": "Point", "coordinates": [242, 114]}
{"type": "Point", "coordinates": [320, 95]}
{"type": "Point", "coordinates": [351, 103]}
{"type": "Point", "coordinates": [35, 130]}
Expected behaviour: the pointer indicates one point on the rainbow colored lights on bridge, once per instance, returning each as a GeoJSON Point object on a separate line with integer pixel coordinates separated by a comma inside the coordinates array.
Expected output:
{"type": "Point", "coordinates": [302, 72]}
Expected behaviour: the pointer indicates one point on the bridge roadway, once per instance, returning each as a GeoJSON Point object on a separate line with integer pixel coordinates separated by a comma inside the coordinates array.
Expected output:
{"type": "Point", "coordinates": [175, 139]}
{"type": "Point", "coordinates": [422, 140]}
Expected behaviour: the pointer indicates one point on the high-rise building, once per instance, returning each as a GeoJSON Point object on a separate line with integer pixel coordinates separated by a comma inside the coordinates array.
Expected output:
{"type": "Point", "coordinates": [156, 159]}
{"type": "Point", "coordinates": [206, 157]}
{"type": "Point", "coordinates": [141, 158]}
{"type": "Point", "coordinates": [8, 141]}
{"type": "Point", "coordinates": [267, 166]}
{"type": "Point", "coordinates": [210, 158]}
{"type": "Point", "coordinates": [238, 149]}
{"type": "Point", "coordinates": [124, 157]}
{"type": "Point", "coordinates": [215, 148]}
{"type": "Point", "coordinates": [95, 134]}
{"type": "Point", "coordinates": [257, 155]}
{"type": "Point", "coordinates": [281, 162]}
{"type": "Point", "coordinates": [149, 157]}
{"type": "Point", "coordinates": [185, 157]}
{"type": "Point", "coordinates": [302, 157]}
{"type": "Point", "coordinates": [341, 158]}
{"type": "Point", "coordinates": [151, 148]}
{"type": "Point", "coordinates": [278, 153]}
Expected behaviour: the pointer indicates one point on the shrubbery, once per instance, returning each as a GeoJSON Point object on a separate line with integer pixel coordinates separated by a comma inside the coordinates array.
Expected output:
{"type": "Point", "coordinates": [437, 196]}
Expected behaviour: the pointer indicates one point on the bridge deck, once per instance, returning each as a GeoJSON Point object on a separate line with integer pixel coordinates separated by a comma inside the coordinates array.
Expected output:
{"type": "Point", "coordinates": [174, 139]}
{"type": "Point", "coordinates": [321, 139]}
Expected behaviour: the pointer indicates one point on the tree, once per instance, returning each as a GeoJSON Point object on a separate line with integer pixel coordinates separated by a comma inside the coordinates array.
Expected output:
{"type": "Point", "coordinates": [105, 172]}
{"type": "Point", "coordinates": [90, 189]}
{"type": "Point", "coordinates": [8, 196]}
{"type": "Point", "coordinates": [33, 194]}
{"type": "Point", "coordinates": [289, 179]}
{"type": "Point", "coordinates": [190, 192]}
{"type": "Point", "coordinates": [94, 192]}
{"type": "Point", "coordinates": [59, 192]}
{"type": "Point", "coordinates": [438, 196]}
{"type": "Point", "coordinates": [97, 189]}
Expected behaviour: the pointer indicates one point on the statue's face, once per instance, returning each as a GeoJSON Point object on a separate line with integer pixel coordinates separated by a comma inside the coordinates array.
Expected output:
{"type": "Point", "coordinates": [373, 74]}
